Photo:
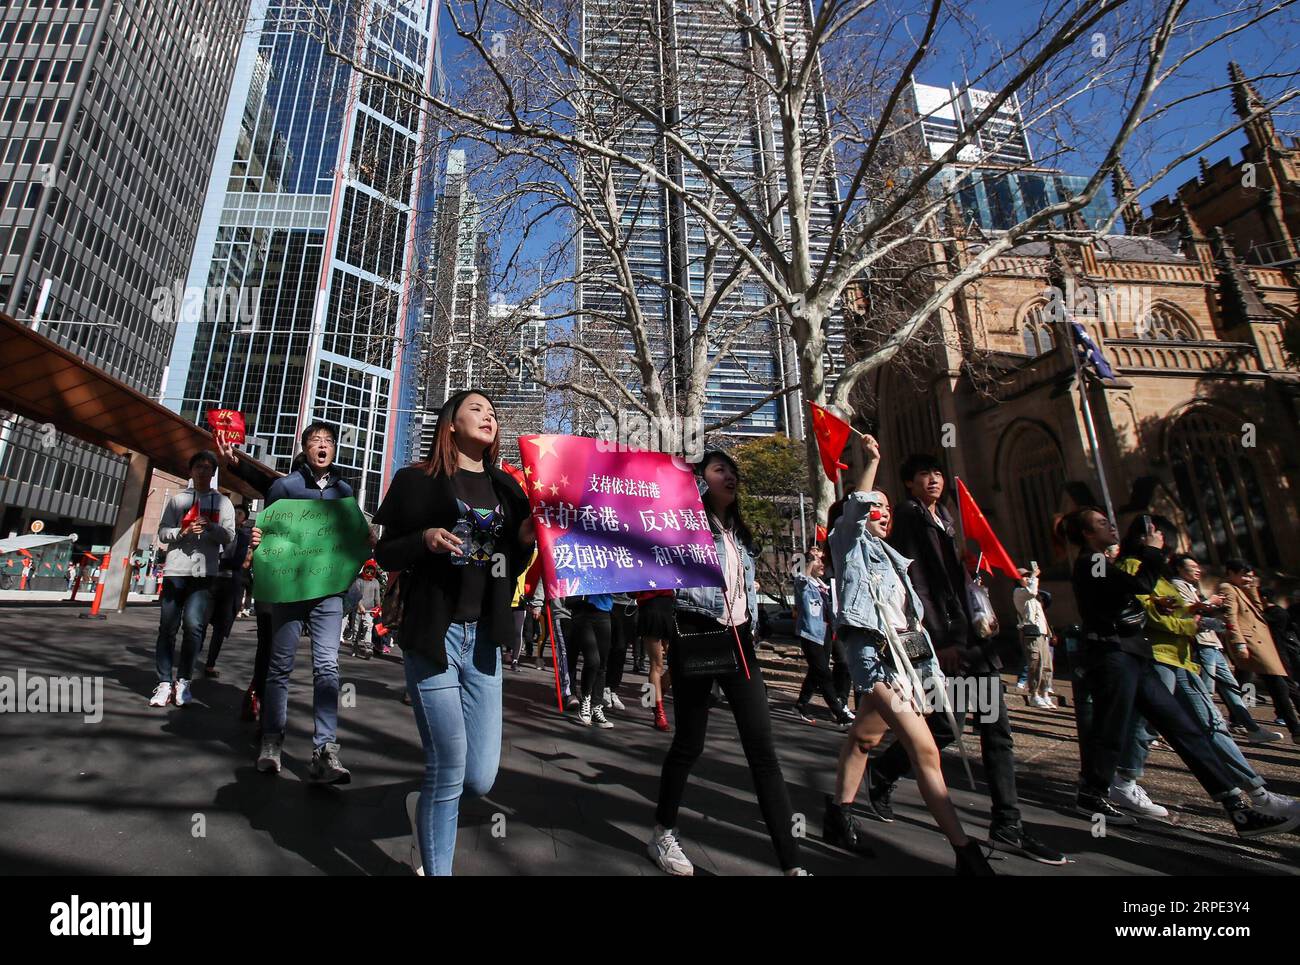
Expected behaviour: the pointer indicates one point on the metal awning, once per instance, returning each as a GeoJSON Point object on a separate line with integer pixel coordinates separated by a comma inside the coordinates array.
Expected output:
{"type": "Point", "coordinates": [43, 381]}
{"type": "Point", "coordinates": [30, 541]}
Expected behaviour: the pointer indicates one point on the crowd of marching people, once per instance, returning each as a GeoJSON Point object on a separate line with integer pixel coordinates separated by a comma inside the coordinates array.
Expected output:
{"type": "Point", "coordinates": [888, 616]}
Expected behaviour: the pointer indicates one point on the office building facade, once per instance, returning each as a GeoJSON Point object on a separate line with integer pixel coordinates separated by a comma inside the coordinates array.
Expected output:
{"type": "Point", "coordinates": [670, 63]}
{"type": "Point", "coordinates": [296, 303]}
{"type": "Point", "coordinates": [109, 114]}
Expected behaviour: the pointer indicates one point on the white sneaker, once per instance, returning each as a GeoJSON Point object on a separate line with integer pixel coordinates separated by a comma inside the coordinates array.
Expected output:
{"type": "Point", "coordinates": [1275, 805]}
{"type": "Point", "coordinates": [614, 701]}
{"type": "Point", "coordinates": [413, 802]}
{"type": "Point", "coordinates": [1044, 703]}
{"type": "Point", "coordinates": [667, 853]}
{"type": "Point", "coordinates": [601, 721]}
{"type": "Point", "coordinates": [1262, 736]}
{"type": "Point", "coordinates": [605, 699]}
{"type": "Point", "coordinates": [1133, 799]}
{"type": "Point", "coordinates": [181, 696]}
{"type": "Point", "coordinates": [162, 695]}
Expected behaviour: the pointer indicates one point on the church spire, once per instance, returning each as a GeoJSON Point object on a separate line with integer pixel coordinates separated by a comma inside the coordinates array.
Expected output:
{"type": "Point", "coordinates": [1245, 102]}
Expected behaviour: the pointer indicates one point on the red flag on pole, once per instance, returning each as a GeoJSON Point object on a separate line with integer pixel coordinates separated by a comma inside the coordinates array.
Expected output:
{"type": "Point", "coordinates": [821, 533]}
{"type": "Point", "coordinates": [993, 555]}
{"type": "Point", "coordinates": [832, 434]}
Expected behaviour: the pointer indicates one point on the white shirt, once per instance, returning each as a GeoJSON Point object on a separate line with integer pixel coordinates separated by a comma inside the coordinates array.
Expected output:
{"type": "Point", "coordinates": [735, 611]}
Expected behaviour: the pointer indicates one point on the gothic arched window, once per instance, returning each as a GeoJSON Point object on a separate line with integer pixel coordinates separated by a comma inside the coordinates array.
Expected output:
{"type": "Point", "coordinates": [1163, 324]}
{"type": "Point", "coordinates": [1219, 491]}
{"type": "Point", "coordinates": [1036, 332]}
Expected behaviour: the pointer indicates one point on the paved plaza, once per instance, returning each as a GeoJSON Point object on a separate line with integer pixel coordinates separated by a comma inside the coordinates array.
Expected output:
{"type": "Point", "coordinates": [148, 791]}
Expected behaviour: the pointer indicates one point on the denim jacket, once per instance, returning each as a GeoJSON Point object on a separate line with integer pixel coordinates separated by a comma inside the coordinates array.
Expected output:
{"type": "Point", "coordinates": [862, 563]}
{"type": "Point", "coordinates": [810, 612]}
{"type": "Point", "coordinates": [708, 601]}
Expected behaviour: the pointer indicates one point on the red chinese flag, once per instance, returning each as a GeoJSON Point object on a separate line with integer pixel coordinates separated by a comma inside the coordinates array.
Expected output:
{"type": "Point", "coordinates": [516, 472]}
{"type": "Point", "coordinates": [976, 527]}
{"type": "Point", "coordinates": [227, 425]}
{"type": "Point", "coordinates": [832, 435]}
{"type": "Point", "coordinates": [821, 534]}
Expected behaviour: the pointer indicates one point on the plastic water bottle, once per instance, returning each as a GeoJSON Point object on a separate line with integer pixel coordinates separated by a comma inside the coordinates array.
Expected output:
{"type": "Point", "coordinates": [462, 530]}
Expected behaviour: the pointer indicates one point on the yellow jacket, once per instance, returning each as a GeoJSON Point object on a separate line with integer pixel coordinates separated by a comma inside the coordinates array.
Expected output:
{"type": "Point", "coordinates": [1172, 635]}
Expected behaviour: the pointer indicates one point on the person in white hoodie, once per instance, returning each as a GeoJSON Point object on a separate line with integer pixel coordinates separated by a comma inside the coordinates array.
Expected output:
{"type": "Point", "coordinates": [196, 524]}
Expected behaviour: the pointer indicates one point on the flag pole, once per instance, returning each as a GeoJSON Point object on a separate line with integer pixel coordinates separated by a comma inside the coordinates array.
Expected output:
{"type": "Point", "coordinates": [1090, 426]}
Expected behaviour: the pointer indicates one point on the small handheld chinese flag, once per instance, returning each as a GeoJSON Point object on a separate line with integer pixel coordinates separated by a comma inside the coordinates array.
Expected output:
{"type": "Point", "coordinates": [821, 534]}
{"type": "Point", "coordinates": [516, 473]}
{"type": "Point", "coordinates": [227, 425]}
{"type": "Point", "coordinates": [993, 555]}
{"type": "Point", "coordinates": [832, 434]}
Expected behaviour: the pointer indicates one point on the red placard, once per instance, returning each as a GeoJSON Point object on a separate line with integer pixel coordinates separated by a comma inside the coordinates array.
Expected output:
{"type": "Point", "coordinates": [227, 425]}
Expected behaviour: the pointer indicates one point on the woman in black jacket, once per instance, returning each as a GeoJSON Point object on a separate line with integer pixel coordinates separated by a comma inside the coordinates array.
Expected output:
{"type": "Point", "coordinates": [459, 532]}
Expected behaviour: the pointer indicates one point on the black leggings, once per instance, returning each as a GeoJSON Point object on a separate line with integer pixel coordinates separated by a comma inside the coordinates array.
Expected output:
{"type": "Point", "coordinates": [263, 659]}
{"type": "Point", "coordinates": [747, 699]}
{"type": "Point", "coordinates": [818, 676]}
{"type": "Point", "coordinates": [591, 629]}
{"type": "Point", "coordinates": [1277, 690]}
{"type": "Point", "coordinates": [227, 591]}
{"type": "Point", "coordinates": [622, 633]}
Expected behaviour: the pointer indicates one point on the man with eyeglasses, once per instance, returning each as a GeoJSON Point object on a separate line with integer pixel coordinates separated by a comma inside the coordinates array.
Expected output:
{"type": "Point", "coordinates": [316, 478]}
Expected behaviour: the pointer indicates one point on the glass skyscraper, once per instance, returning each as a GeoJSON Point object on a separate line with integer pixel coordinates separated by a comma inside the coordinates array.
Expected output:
{"type": "Point", "coordinates": [109, 114]}
{"type": "Point", "coordinates": [995, 181]}
{"type": "Point", "coordinates": [297, 304]}
{"type": "Point", "coordinates": [669, 60]}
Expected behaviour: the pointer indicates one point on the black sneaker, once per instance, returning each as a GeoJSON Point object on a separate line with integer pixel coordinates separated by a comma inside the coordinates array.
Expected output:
{"type": "Point", "coordinates": [1018, 841]}
{"type": "Point", "coordinates": [840, 829]}
{"type": "Point", "coordinates": [879, 805]}
{"type": "Point", "coordinates": [971, 862]}
{"type": "Point", "coordinates": [1089, 804]}
{"type": "Point", "coordinates": [326, 768]}
{"type": "Point", "coordinates": [801, 711]}
{"type": "Point", "coordinates": [1253, 823]}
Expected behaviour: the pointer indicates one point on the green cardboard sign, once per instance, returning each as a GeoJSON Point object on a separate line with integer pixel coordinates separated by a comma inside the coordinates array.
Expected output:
{"type": "Point", "coordinates": [311, 548]}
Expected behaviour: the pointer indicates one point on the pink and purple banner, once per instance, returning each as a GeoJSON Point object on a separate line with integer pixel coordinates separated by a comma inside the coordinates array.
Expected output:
{"type": "Point", "coordinates": [615, 522]}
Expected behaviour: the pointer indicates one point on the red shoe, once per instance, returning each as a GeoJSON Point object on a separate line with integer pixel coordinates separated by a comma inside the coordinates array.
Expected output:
{"type": "Point", "coordinates": [661, 719]}
{"type": "Point", "coordinates": [252, 707]}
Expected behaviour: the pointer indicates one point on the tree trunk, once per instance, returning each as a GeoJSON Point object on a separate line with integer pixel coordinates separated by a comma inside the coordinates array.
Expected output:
{"type": "Point", "coordinates": [812, 374]}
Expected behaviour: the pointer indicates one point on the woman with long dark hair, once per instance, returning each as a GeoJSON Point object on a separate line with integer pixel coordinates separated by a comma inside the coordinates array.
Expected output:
{"type": "Point", "coordinates": [713, 640]}
{"type": "Point", "coordinates": [459, 532]}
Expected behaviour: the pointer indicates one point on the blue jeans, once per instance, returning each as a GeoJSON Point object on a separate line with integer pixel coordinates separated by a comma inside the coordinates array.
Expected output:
{"type": "Point", "coordinates": [187, 600]}
{"type": "Point", "coordinates": [324, 620]}
{"type": "Point", "coordinates": [458, 713]}
{"type": "Point", "coordinates": [1191, 694]}
{"type": "Point", "coordinates": [1216, 674]}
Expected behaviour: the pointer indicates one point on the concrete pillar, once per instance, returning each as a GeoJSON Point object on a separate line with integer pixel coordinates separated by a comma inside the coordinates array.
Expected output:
{"type": "Point", "coordinates": [126, 531]}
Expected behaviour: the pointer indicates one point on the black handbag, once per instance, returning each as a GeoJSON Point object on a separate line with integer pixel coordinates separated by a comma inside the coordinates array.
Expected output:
{"type": "Point", "coordinates": [1131, 618]}
{"type": "Point", "coordinates": [914, 645]}
{"type": "Point", "coordinates": [390, 608]}
{"type": "Point", "coordinates": [704, 653]}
